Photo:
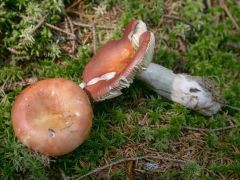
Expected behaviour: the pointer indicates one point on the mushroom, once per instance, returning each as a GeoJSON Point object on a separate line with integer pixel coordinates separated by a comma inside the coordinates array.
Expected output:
{"type": "Point", "coordinates": [52, 116]}
{"type": "Point", "coordinates": [116, 63]}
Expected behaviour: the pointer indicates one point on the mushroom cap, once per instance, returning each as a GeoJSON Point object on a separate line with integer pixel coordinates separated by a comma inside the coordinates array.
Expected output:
{"type": "Point", "coordinates": [115, 64]}
{"type": "Point", "coordinates": [52, 116]}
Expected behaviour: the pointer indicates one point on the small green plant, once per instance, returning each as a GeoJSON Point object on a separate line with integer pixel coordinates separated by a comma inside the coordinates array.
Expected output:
{"type": "Point", "coordinates": [23, 33]}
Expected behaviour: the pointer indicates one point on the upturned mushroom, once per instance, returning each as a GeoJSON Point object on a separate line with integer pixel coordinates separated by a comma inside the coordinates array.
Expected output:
{"type": "Point", "coordinates": [52, 116]}
{"type": "Point", "coordinates": [116, 63]}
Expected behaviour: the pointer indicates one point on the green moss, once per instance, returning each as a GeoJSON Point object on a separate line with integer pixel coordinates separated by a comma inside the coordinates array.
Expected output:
{"type": "Point", "coordinates": [139, 117]}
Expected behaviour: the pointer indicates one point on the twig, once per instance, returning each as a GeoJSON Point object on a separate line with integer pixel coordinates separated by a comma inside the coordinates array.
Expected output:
{"type": "Point", "coordinates": [94, 38]}
{"type": "Point", "coordinates": [12, 50]}
{"type": "Point", "coordinates": [72, 31]}
{"type": "Point", "coordinates": [109, 170]}
{"type": "Point", "coordinates": [66, 25]}
{"type": "Point", "coordinates": [229, 119]}
{"type": "Point", "coordinates": [210, 130]}
{"type": "Point", "coordinates": [179, 19]}
{"type": "Point", "coordinates": [40, 23]}
{"type": "Point", "coordinates": [89, 17]}
{"type": "Point", "coordinates": [131, 159]}
{"type": "Point", "coordinates": [229, 14]}
{"type": "Point", "coordinates": [12, 86]}
{"type": "Point", "coordinates": [73, 5]}
{"type": "Point", "coordinates": [233, 107]}
{"type": "Point", "coordinates": [60, 30]}
{"type": "Point", "coordinates": [4, 85]}
{"type": "Point", "coordinates": [233, 45]}
{"type": "Point", "coordinates": [129, 170]}
{"type": "Point", "coordinates": [52, 27]}
{"type": "Point", "coordinates": [90, 26]}
{"type": "Point", "coordinates": [86, 38]}
{"type": "Point", "coordinates": [64, 177]}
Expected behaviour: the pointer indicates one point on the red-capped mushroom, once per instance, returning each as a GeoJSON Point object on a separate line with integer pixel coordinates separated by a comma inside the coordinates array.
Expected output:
{"type": "Point", "coordinates": [116, 63]}
{"type": "Point", "coordinates": [52, 116]}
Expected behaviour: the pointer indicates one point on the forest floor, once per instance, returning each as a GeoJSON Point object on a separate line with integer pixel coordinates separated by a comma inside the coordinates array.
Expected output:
{"type": "Point", "coordinates": [139, 135]}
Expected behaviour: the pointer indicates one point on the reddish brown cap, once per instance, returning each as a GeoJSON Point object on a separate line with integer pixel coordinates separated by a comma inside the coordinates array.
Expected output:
{"type": "Point", "coordinates": [52, 116]}
{"type": "Point", "coordinates": [116, 63]}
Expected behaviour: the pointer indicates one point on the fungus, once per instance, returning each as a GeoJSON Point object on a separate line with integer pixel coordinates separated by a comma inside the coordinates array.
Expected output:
{"type": "Point", "coordinates": [116, 63]}
{"type": "Point", "coordinates": [52, 116]}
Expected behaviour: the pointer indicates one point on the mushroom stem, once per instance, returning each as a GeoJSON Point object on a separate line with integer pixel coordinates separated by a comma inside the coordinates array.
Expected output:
{"type": "Point", "coordinates": [193, 92]}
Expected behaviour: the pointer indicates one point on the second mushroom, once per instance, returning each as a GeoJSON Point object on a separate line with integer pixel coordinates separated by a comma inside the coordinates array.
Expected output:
{"type": "Point", "coordinates": [116, 63]}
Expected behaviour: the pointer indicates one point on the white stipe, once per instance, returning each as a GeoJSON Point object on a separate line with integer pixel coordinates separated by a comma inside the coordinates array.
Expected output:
{"type": "Point", "coordinates": [189, 92]}
{"type": "Point", "coordinates": [195, 93]}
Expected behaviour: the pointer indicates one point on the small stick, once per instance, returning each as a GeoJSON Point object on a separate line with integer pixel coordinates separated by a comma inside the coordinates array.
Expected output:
{"type": "Point", "coordinates": [94, 38]}
{"type": "Point", "coordinates": [89, 17]}
{"type": "Point", "coordinates": [12, 50]}
{"type": "Point", "coordinates": [40, 23]}
{"type": "Point", "coordinates": [4, 84]}
{"type": "Point", "coordinates": [129, 170]}
{"type": "Point", "coordinates": [90, 26]}
{"type": "Point", "coordinates": [64, 177]}
{"type": "Point", "coordinates": [179, 19]}
{"type": "Point", "coordinates": [131, 159]}
{"type": "Point", "coordinates": [12, 86]}
{"type": "Point", "coordinates": [72, 31]}
{"type": "Point", "coordinates": [66, 25]}
{"type": "Point", "coordinates": [60, 30]}
{"type": "Point", "coordinates": [209, 130]}
{"type": "Point", "coordinates": [52, 27]}
{"type": "Point", "coordinates": [233, 107]}
{"type": "Point", "coordinates": [233, 45]}
{"type": "Point", "coordinates": [224, 6]}
{"type": "Point", "coordinates": [73, 5]}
